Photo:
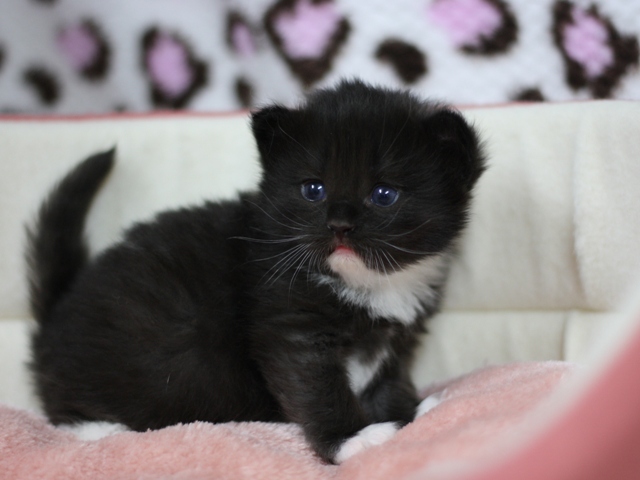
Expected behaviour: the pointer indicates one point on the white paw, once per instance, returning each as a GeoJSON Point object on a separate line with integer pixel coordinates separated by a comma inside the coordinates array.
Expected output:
{"type": "Point", "coordinates": [94, 430]}
{"type": "Point", "coordinates": [429, 403]}
{"type": "Point", "coordinates": [375, 434]}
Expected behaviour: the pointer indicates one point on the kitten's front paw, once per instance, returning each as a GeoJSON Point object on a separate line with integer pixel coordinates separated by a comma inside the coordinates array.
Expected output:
{"type": "Point", "coordinates": [94, 430]}
{"type": "Point", "coordinates": [429, 403]}
{"type": "Point", "coordinates": [375, 434]}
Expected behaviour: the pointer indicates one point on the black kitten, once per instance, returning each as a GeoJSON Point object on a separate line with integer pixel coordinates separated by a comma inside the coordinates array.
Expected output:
{"type": "Point", "coordinates": [299, 302]}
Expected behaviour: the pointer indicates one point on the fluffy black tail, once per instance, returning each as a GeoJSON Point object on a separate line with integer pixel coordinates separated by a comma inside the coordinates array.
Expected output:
{"type": "Point", "coordinates": [56, 248]}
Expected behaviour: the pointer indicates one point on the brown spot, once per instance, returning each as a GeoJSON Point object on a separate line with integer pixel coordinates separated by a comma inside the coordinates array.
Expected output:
{"type": "Point", "coordinates": [408, 62]}
{"type": "Point", "coordinates": [98, 69]}
{"type": "Point", "coordinates": [529, 95]}
{"type": "Point", "coordinates": [43, 83]}
{"type": "Point", "coordinates": [244, 92]}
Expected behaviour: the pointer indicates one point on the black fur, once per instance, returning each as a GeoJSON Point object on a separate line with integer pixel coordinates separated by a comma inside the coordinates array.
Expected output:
{"type": "Point", "coordinates": [230, 311]}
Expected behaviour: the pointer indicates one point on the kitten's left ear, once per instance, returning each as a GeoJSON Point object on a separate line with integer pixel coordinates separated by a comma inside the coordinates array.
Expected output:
{"type": "Point", "coordinates": [459, 146]}
{"type": "Point", "coordinates": [270, 125]}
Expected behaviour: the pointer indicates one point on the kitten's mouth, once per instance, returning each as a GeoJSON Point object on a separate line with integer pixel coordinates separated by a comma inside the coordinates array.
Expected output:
{"type": "Point", "coordinates": [344, 250]}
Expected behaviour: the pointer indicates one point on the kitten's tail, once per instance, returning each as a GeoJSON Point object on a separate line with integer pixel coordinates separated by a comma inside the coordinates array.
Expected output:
{"type": "Point", "coordinates": [56, 248]}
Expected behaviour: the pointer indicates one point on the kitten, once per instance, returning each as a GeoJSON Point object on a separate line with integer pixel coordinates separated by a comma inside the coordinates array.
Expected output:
{"type": "Point", "coordinates": [299, 302]}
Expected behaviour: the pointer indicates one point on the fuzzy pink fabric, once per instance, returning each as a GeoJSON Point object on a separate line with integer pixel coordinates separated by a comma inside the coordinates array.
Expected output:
{"type": "Point", "coordinates": [475, 416]}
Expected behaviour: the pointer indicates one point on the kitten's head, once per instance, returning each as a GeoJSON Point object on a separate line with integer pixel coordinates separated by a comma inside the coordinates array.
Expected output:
{"type": "Point", "coordinates": [365, 178]}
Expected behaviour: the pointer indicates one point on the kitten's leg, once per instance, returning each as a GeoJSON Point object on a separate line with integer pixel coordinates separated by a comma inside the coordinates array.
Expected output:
{"type": "Point", "coordinates": [318, 398]}
{"type": "Point", "coordinates": [391, 402]}
{"type": "Point", "coordinates": [392, 397]}
{"type": "Point", "coordinates": [309, 380]}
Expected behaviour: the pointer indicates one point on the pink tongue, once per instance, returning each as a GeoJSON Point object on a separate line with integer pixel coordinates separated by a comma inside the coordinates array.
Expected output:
{"type": "Point", "coordinates": [343, 249]}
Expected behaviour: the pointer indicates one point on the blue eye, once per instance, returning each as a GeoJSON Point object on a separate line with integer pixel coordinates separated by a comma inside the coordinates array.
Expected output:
{"type": "Point", "coordinates": [313, 191]}
{"type": "Point", "coordinates": [384, 196]}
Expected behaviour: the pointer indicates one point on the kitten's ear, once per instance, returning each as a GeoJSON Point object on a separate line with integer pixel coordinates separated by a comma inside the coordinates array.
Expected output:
{"type": "Point", "coordinates": [458, 144]}
{"type": "Point", "coordinates": [270, 126]}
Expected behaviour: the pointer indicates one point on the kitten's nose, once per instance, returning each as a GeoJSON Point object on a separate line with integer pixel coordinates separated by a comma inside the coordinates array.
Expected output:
{"type": "Point", "coordinates": [341, 219]}
{"type": "Point", "coordinates": [340, 228]}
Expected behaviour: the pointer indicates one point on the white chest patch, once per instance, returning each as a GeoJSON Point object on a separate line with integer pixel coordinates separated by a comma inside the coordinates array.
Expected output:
{"type": "Point", "coordinates": [361, 372]}
{"type": "Point", "coordinates": [395, 296]}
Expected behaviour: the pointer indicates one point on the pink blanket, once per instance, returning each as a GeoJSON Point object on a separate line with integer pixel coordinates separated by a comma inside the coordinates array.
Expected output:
{"type": "Point", "coordinates": [476, 416]}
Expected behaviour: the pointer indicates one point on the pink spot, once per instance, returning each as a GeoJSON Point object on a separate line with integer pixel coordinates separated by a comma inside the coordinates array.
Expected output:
{"type": "Point", "coordinates": [306, 31]}
{"type": "Point", "coordinates": [466, 21]}
{"type": "Point", "coordinates": [585, 41]}
{"type": "Point", "coordinates": [243, 40]}
{"type": "Point", "coordinates": [79, 45]}
{"type": "Point", "coordinates": [168, 65]}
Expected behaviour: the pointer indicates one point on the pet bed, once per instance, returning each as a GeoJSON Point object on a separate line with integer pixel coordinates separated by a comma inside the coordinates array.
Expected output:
{"type": "Point", "coordinates": [531, 370]}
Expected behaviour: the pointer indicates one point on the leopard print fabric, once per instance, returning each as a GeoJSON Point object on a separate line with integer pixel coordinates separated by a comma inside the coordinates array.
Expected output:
{"type": "Point", "coordinates": [92, 56]}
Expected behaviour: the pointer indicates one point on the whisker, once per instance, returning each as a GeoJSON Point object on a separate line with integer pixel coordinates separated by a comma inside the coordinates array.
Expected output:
{"type": "Point", "coordinates": [384, 268]}
{"type": "Point", "coordinates": [281, 266]}
{"type": "Point", "coordinates": [255, 229]}
{"type": "Point", "coordinates": [391, 261]}
{"type": "Point", "coordinates": [314, 264]}
{"type": "Point", "coordinates": [277, 221]}
{"type": "Point", "coordinates": [367, 259]}
{"type": "Point", "coordinates": [410, 231]}
{"type": "Point", "coordinates": [406, 250]}
{"type": "Point", "coordinates": [380, 267]}
{"type": "Point", "coordinates": [261, 240]}
{"type": "Point", "coordinates": [304, 224]}
{"type": "Point", "coordinates": [272, 257]}
{"type": "Point", "coordinates": [298, 268]}
{"type": "Point", "coordinates": [384, 225]}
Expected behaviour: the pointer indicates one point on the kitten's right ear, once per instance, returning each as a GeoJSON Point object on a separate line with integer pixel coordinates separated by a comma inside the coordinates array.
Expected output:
{"type": "Point", "coordinates": [270, 126]}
